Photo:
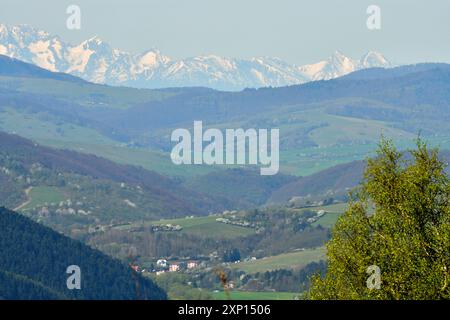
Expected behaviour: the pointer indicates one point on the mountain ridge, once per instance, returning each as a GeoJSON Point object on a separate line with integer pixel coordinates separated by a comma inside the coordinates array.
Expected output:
{"type": "Point", "coordinates": [96, 61]}
{"type": "Point", "coordinates": [162, 196]}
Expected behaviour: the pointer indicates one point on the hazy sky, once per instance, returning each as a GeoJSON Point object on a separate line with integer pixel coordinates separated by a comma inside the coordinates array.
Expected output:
{"type": "Point", "coordinates": [295, 30]}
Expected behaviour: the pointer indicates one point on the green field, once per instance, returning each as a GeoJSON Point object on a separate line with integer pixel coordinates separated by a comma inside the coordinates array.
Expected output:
{"type": "Point", "coordinates": [328, 220]}
{"type": "Point", "coordinates": [39, 196]}
{"type": "Point", "coordinates": [292, 260]}
{"type": "Point", "coordinates": [333, 212]}
{"type": "Point", "coordinates": [204, 226]}
{"type": "Point", "coordinates": [209, 227]}
{"type": "Point", "coordinates": [334, 208]}
{"type": "Point", "coordinates": [255, 295]}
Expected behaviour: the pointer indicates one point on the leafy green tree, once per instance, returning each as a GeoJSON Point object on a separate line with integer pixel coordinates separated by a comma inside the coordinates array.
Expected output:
{"type": "Point", "coordinates": [398, 221]}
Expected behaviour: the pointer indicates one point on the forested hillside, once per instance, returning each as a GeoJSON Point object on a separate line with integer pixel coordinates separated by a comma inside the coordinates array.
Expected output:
{"type": "Point", "coordinates": [34, 260]}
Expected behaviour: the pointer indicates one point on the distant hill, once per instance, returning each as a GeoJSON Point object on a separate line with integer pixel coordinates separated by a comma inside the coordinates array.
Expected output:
{"type": "Point", "coordinates": [84, 189]}
{"type": "Point", "coordinates": [383, 73]}
{"type": "Point", "coordinates": [243, 188]}
{"type": "Point", "coordinates": [16, 68]}
{"type": "Point", "coordinates": [408, 100]}
{"type": "Point", "coordinates": [122, 193]}
{"type": "Point", "coordinates": [334, 182]}
{"type": "Point", "coordinates": [317, 120]}
{"type": "Point", "coordinates": [84, 164]}
{"type": "Point", "coordinates": [34, 260]}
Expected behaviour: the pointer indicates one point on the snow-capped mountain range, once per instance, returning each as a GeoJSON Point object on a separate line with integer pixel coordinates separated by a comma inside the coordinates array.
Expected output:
{"type": "Point", "coordinates": [96, 61]}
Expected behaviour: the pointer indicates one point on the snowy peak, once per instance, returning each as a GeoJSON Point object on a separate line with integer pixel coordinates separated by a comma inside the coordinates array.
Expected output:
{"type": "Point", "coordinates": [94, 40]}
{"type": "Point", "coordinates": [335, 66]}
{"type": "Point", "coordinates": [373, 59]}
{"type": "Point", "coordinates": [96, 61]}
{"type": "Point", "coordinates": [31, 45]}
{"type": "Point", "coordinates": [338, 65]}
{"type": "Point", "coordinates": [339, 62]}
{"type": "Point", "coordinates": [152, 58]}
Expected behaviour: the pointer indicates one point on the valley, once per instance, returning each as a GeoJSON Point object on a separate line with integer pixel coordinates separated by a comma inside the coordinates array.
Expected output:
{"type": "Point", "coordinates": [93, 163]}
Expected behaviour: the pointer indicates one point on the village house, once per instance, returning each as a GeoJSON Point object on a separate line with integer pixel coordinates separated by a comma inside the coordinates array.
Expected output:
{"type": "Point", "coordinates": [174, 267]}
{"type": "Point", "coordinates": [162, 263]}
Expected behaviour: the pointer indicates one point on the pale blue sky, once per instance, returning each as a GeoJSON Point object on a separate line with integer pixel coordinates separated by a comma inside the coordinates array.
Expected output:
{"type": "Point", "coordinates": [297, 31]}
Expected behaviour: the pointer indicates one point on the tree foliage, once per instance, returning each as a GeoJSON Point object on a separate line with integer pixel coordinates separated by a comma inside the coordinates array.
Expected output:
{"type": "Point", "coordinates": [34, 261]}
{"type": "Point", "coordinates": [398, 221]}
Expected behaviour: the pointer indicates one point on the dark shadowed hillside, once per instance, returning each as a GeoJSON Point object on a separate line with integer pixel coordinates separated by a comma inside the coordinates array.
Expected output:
{"type": "Point", "coordinates": [245, 188]}
{"type": "Point", "coordinates": [334, 182]}
{"type": "Point", "coordinates": [34, 260]}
